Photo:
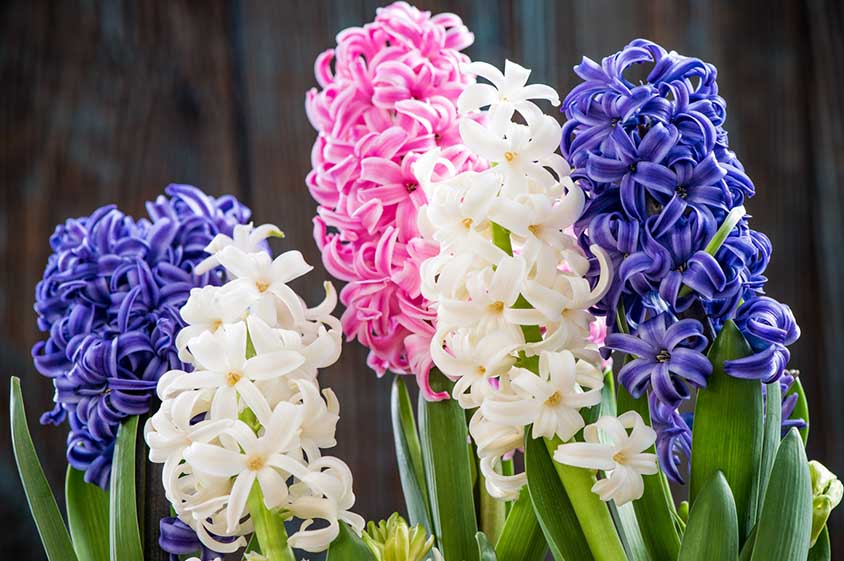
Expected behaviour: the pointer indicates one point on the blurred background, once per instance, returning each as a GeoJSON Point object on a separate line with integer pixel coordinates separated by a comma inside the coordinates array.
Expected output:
{"type": "Point", "coordinates": [107, 102]}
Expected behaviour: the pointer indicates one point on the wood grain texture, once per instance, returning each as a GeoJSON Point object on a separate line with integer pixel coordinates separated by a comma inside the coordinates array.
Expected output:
{"type": "Point", "coordinates": [105, 101]}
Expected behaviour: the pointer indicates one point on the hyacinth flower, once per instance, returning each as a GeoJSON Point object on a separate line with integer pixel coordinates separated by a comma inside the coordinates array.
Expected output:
{"type": "Point", "coordinates": [241, 434]}
{"type": "Point", "coordinates": [387, 93]}
{"type": "Point", "coordinates": [109, 301]}
{"type": "Point", "coordinates": [665, 200]}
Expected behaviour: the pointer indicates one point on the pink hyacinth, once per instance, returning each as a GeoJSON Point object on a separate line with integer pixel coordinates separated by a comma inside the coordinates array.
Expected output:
{"type": "Point", "coordinates": [390, 97]}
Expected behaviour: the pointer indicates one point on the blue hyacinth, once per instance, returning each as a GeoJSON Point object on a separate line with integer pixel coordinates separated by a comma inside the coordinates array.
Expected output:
{"type": "Point", "coordinates": [661, 181]}
{"type": "Point", "coordinates": [110, 299]}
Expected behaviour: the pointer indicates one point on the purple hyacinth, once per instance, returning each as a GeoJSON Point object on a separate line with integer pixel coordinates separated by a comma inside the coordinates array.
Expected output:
{"type": "Point", "coordinates": [668, 358]}
{"type": "Point", "coordinates": [769, 327]}
{"type": "Point", "coordinates": [653, 159]}
{"type": "Point", "coordinates": [177, 538]}
{"type": "Point", "coordinates": [110, 299]}
{"type": "Point", "coordinates": [673, 438]}
{"type": "Point", "coordinates": [789, 402]}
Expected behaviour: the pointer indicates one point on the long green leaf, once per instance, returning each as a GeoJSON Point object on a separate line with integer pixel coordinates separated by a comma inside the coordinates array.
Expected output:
{"type": "Point", "coordinates": [801, 408]}
{"type": "Point", "coordinates": [785, 522]}
{"type": "Point", "coordinates": [347, 546]}
{"type": "Point", "coordinates": [747, 549]}
{"type": "Point", "coordinates": [443, 435]}
{"type": "Point", "coordinates": [409, 456]}
{"type": "Point", "coordinates": [821, 551]}
{"type": "Point", "coordinates": [712, 531]}
{"type": "Point", "coordinates": [87, 516]}
{"type": "Point", "coordinates": [773, 434]}
{"type": "Point", "coordinates": [522, 538]}
{"type": "Point", "coordinates": [42, 503]}
{"type": "Point", "coordinates": [553, 508]}
{"type": "Point", "coordinates": [125, 538]}
{"type": "Point", "coordinates": [655, 510]}
{"type": "Point", "coordinates": [728, 431]}
{"type": "Point", "coordinates": [485, 550]}
{"type": "Point", "coordinates": [629, 531]}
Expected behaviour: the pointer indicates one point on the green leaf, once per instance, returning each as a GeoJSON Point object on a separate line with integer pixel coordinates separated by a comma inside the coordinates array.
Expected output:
{"type": "Point", "coordinates": [772, 435]}
{"type": "Point", "coordinates": [629, 531]}
{"type": "Point", "coordinates": [409, 456]}
{"type": "Point", "coordinates": [443, 435]}
{"type": "Point", "coordinates": [712, 531]}
{"type": "Point", "coordinates": [553, 508]}
{"type": "Point", "coordinates": [522, 538]}
{"type": "Point", "coordinates": [747, 549]}
{"type": "Point", "coordinates": [655, 510]}
{"type": "Point", "coordinates": [87, 516]}
{"type": "Point", "coordinates": [125, 539]}
{"type": "Point", "coordinates": [728, 431]}
{"type": "Point", "coordinates": [347, 546]}
{"type": "Point", "coordinates": [820, 551]}
{"type": "Point", "coordinates": [785, 522]}
{"type": "Point", "coordinates": [801, 408]}
{"type": "Point", "coordinates": [486, 552]}
{"type": "Point", "coordinates": [42, 503]}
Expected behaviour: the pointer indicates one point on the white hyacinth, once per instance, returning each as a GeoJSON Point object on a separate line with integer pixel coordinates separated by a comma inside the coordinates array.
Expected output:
{"type": "Point", "coordinates": [509, 283]}
{"type": "Point", "coordinates": [250, 413]}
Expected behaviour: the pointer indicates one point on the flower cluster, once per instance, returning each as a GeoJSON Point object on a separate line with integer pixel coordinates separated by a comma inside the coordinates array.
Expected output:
{"type": "Point", "coordinates": [391, 96]}
{"type": "Point", "coordinates": [110, 300]}
{"type": "Point", "coordinates": [509, 284]}
{"type": "Point", "coordinates": [665, 201]}
{"type": "Point", "coordinates": [249, 419]}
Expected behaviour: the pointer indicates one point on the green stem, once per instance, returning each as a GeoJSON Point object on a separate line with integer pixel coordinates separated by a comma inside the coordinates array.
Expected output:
{"type": "Point", "coordinates": [591, 511]}
{"type": "Point", "coordinates": [493, 512]}
{"type": "Point", "coordinates": [269, 527]}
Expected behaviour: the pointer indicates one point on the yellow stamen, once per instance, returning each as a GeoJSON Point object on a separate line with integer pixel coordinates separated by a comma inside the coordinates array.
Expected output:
{"type": "Point", "coordinates": [535, 229]}
{"type": "Point", "coordinates": [619, 458]}
{"type": "Point", "coordinates": [216, 324]}
{"type": "Point", "coordinates": [554, 399]}
{"type": "Point", "coordinates": [496, 307]}
{"type": "Point", "coordinates": [509, 156]}
{"type": "Point", "coordinates": [233, 378]}
{"type": "Point", "coordinates": [262, 285]}
{"type": "Point", "coordinates": [255, 463]}
{"type": "Point", "coordinates": [467, 223]}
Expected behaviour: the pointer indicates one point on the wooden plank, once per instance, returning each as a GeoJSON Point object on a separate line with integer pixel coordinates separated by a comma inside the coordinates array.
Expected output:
{"type": "Point", "coordinates": [826, 116]}
{"type": "Point", "coordinates": [106, 103]}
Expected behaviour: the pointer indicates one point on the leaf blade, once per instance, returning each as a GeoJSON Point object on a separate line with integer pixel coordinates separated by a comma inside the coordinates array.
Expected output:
{"type": "Point", "coordinates": [409, 456]}
{"type": "Point", "coordinates": [728, 430]}
{"type": "Point", "coordinates": [42, 502]}
{"type": "Point", "coordinates": [444, 436]}
{"type": "Point", "coordinates": [772, 434]}
{"type": "Point", "coordinates": [125, 538]}
{"type": "Point", "coordinates": [553, 507]}
{"type": "Point", "coordinates": [347, 546]}
{"type": "Point", "coordinates": [522, 538]}
{"type": "Point", "coordinates": [712, 530]}
{"type": "Point", "coordinates": [821, 551]}
{"type": "Point", "coordinates": [87, 516]}
{"type": "Point", "coordinates": [785, 521]}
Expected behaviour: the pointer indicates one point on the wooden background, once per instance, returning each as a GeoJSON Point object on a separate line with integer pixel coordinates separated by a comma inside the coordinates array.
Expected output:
{"type": "Point", "coordinates": [110, 101]}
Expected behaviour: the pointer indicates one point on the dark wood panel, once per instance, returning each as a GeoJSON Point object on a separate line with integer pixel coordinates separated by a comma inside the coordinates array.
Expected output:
{"type": "Point", "coordinates": [104, 101]}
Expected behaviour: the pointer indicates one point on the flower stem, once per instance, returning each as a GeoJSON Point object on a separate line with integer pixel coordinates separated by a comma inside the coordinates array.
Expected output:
{"type": "Point", "coordinates": [269, 528]}
{"type": "Point", "coordinates": [493, 512]}
{"type": "Point", "coordinates": [591, 511]}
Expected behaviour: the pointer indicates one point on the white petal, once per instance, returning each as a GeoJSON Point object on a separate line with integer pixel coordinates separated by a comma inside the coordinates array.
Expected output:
{"type": "Point", "coordinates": [237, 500]}
{"type": "Point", "coordinates": [585, 455]}
{"type": "Point", "coordinates": [482, 141]}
